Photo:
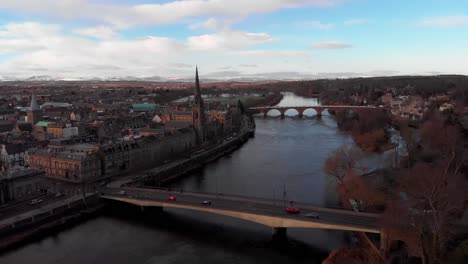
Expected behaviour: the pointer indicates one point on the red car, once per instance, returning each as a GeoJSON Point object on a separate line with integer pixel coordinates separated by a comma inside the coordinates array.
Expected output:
{"type": "Point", "coordinates": [292, 210]}
{"type": "Point", "coordinates": [171, 198]}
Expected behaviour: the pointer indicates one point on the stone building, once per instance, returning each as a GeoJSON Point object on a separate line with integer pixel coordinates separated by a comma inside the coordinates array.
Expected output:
{"type": "Point", "coordinates": [91, 162]}
{"type": "Point", "coordinates": [12, 155]}
{"type": "Point", "coordinates": [20, 184]}
{"type": "Point", "coordinates": [61, 130]}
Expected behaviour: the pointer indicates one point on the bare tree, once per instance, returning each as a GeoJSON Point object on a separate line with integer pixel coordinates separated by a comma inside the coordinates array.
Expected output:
{"type": "Point", "coordinates": [434, 201]}
{"type": "Point", "coordinates": [343, 163]}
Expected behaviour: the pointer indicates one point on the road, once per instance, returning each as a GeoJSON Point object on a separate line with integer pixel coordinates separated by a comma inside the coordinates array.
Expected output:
{"type": "Point", "coordinates": [25, 206]}
{"type": "Point", "coordinates": [257, 206]}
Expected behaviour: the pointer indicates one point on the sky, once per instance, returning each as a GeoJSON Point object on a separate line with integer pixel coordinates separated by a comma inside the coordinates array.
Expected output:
{"type": "Point", "coordinates": [271, 39]}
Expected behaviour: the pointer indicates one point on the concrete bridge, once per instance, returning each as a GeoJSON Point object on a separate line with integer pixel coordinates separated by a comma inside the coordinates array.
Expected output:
{"type": "Point", "coordinates": [318, 109]}
{"type": "Point", "coordinates": [266, 212]}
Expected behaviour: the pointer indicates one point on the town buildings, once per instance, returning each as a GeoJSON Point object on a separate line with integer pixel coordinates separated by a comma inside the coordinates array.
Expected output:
{"type": "Point", "coordinates": [19, 184]}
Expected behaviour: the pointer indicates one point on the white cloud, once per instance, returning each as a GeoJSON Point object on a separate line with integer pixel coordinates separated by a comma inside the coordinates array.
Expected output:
{"type": "Point", "coordinates": [356, 21]}
{"type": "Point", "coordinates": [445, 22]}
{"type": "Point", "coordinates": [99, 32]}
{"type": "Point", "coordinates": [228, 40]}
{"type": "Point", "coordinates": [331, 45]}
{"type": "Point", "coordinates": [212, 24]}
{"type": "Point", "coordinates": [42, 49]}
{"type": "Point", "coordinates": [121, 15]}
{"type": "Point", "coordinates": [270, 53]}
{"type": "Point", "coordinates": [317, 25]}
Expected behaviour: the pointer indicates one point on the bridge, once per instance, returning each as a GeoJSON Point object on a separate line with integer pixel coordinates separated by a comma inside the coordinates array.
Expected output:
{"type": "Point", "coordinates": [266, 212]}
{"type": "Point", "coordinates": [319, 109]}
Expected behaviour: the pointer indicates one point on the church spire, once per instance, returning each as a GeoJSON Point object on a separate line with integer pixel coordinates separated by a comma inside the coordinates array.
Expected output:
{"type": "Point", "coordinates": [197, 96]}
{"type": "Point", "coordinates": [34, 104]}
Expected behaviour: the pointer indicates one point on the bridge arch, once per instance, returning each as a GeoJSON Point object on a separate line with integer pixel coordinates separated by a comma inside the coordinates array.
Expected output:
{"type": "Point", "coordinates": [272, 112]}
{"type": "Point", "coordinates": [292, 112]}
{"type": "Point", "coordinates": [310, 112]}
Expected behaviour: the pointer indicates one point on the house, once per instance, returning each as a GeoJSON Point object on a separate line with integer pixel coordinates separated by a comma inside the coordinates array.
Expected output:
{"type": "Point", "coordinates": [12, 155]}
{"type": "Point", "coordinates": [446, 107]}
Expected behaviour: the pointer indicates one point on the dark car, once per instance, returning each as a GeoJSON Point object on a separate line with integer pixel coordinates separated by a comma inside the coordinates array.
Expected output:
{"type": "Point", "coordinates": [292, 210]}
{"type": "Point", "coordinates": [206, 202]}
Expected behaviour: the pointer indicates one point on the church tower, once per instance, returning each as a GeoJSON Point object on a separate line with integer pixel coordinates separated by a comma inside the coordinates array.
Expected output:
{"type": "Point", "coordinates": [198, 111]}
{"type": "Point", "coordinates": [34, 113]}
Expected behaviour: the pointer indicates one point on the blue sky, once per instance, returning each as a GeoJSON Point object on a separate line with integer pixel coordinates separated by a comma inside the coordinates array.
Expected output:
{"type": "Point", "coordinates": [230, 39]}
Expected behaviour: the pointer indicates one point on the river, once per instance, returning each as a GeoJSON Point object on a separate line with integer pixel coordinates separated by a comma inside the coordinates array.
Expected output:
{"type": "Point", "coordinates": [285, 157]}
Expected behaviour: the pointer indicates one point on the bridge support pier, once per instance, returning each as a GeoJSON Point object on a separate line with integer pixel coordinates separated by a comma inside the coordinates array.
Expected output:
{"type": "Point", "coordinates": [301, 115]}
{"type": "Point", "coordinates": [265, 114]}
{"type": "Point", "coordinates": [279, 234]}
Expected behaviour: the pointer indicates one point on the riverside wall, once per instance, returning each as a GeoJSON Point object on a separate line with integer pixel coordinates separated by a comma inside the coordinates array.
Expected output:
{"type": "Point", "coordinates": [35, 224]}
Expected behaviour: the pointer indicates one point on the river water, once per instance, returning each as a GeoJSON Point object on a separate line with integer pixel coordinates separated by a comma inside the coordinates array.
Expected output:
{"type": "Point", "coordinates": [283, 161]}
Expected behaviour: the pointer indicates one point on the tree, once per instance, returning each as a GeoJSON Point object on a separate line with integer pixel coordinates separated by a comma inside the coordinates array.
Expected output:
{"type": "Point", "coordinates": [411, 143]}
{"type": "Point", "coordinates": [343, 163]}
{"type": "Point", "coordinates": [444, 141]}
{"type": "Point", "coordinates": [435, 200]}
{"type": "Point", "coordinates": [363, 193]}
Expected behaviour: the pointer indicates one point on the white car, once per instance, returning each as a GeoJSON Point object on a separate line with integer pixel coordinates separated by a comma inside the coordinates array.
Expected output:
{"type": "Point", "coordinates": [122, 193]}
{"type": "Point", "coordinates": [35, 201]}
{"type": "Point", "coordinates": [313, 215]}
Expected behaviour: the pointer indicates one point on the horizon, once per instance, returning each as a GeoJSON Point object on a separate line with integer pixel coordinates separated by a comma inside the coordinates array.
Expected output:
{"type": "Point", "coordinates": [273, 40]}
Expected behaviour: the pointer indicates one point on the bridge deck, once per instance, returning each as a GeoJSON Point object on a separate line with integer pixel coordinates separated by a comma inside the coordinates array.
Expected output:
{"type": "Point", "coordinates": [262, 211]}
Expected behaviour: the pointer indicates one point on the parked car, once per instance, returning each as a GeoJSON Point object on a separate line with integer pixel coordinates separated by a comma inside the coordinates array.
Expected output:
{"type": "Point", "coordinates": [58, 195]}
{"type": "Point", "coordinates": [292, 210]}
{"type": "Point", "coordinates": [171, 198]}
{"type": "Point", "coordinates": [122, 193]}
{"type": "Point", "coordinates": [313, 215]}
{"type": "Point", "coordinates": [35, 201]}
{"type": "Point", "coordinates": [206, 202]}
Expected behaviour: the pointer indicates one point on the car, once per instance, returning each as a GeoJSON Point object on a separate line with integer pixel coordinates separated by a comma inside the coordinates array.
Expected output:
{"type": "Point", "coordinates": [292, 210]}
{"type": "Point", "coordinates": [35, 201]}
{"type": "Point", "coordinates": [206, 202]}
{"type": "Point", "coordinates": [171, 198]}
{"type": "Point", "coordinates": [58, 195]}
{"type": "Point", "coordinates": [313, 215]}
{"type": "Point", "coordinates": [122, 193]}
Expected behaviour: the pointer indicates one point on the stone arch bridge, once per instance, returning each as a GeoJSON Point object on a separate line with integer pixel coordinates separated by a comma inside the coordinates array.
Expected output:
{"type": "Point", "coordinates": [318, 109]}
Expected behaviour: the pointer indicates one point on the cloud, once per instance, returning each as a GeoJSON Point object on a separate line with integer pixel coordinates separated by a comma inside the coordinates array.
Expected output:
{"type": "Point", "coordinates": [47, 49]}
{"type": "Point", "coordinates": [212, 24]}
{"type": "Point", "coordinates": [228, 40]}
{"type": "Point", "coordinates": [445, 22]}
{"type": "Point", "coordinates": [356, 21]}
{"type": "Point", "coordinates": [99, 32]}
{"type": "Point", "coordinates": [317, 25]}
{"type": "Point", "coordinates": [121, 15]}
{"type": "Point", "coordinates": [270, 53]}
{"type": "Point", "coordinates": [248, 65]}
{"type": "Point", "coordinates": [331, 45]}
